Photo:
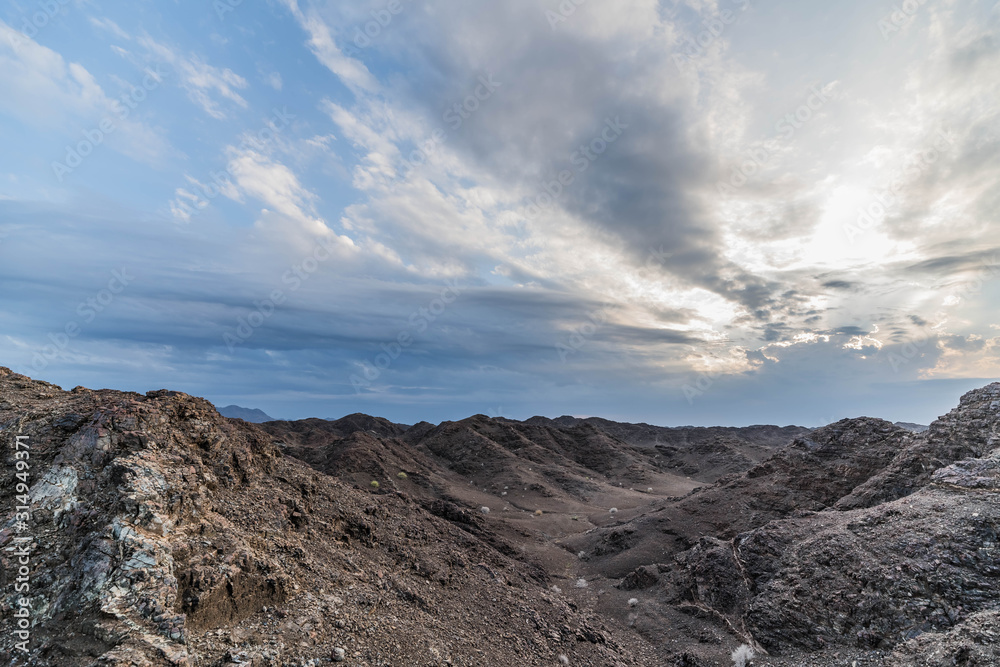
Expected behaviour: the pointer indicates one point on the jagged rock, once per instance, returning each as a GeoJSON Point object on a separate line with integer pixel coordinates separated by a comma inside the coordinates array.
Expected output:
{"type": "Point", "coordinates": [922, 566]}
{"type": "Point", "coordinates": [973, 643]}
{"type": "Point", "coordinates": [971, 430]}
{"type": "Point", "coordinates": [166, 534]}
{"type": "Point", "coordinates": [640, 578]}
{"type": "Point", "coordinates": [809, 475]}
{"type": "Point", "coordinates": [970, 474]}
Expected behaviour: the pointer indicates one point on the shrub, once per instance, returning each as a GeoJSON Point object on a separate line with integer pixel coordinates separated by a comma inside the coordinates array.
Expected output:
{"type": "Point", "coordinates": [633, 602]}
{"type": "Point", "coordinates": [742, 656]}
{"type": "Point", "coordinates": [375, 484]}
{"type": "Point", "coordinates": [614, 510]}
{"type": "Point", "coordinates": [581, 583]}
{"type": "Point", "coordinates": [484, 509]}
{"type": "Point", "coordinates": [538, 512]}
{"type": "Point", "coordinates": [402, 475]}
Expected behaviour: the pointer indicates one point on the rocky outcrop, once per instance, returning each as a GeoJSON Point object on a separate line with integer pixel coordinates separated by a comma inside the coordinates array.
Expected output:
{"type": "Point", "coordinates": [809, 475]}
{"type": "Point", "coordinates": [969, 431]}
{"type": "Point", "coordinates": [913, 580]}
{"type": "Point", "coordinates": [164, 534]}
{"type": "Point", "coordinates": [118, 479]}
{"type": "Point", "coordinates": [973, 643]}
{"type": "Point", "coordinates": [867, 578]}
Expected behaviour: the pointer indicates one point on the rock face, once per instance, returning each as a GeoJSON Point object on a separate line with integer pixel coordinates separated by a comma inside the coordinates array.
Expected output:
{"type": "Point", "coordinates": [162, 533]}
{"type": "Point", "coordinates": [903, 567]}
{"type": "Point", "coordinates": [810, 475]}
{"type": "Point", "coordinates": [909, 426]}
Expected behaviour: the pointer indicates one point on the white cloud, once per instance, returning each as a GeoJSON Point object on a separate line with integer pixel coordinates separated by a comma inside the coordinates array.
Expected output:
{"type": "Point", "coordinates": [203, 82]}
{"type": "Point", "coordinates": [274, 80]}
{"type": "Point", "coordinates": [110, 26]}
{"type": "Point", "coordinates": [274, 184]}
{"type": "Point", "coordinates": [352, 72]}
{"type": "Point", "coordinates": [42, 90]}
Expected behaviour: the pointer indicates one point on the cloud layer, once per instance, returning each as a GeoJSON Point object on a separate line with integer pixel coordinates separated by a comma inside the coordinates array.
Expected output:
{"type": "Point", "coordinates": [682, 212]}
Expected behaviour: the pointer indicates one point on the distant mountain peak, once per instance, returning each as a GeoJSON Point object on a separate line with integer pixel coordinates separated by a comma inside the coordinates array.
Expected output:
{"type": "Point", "coordinates": [252, 415]}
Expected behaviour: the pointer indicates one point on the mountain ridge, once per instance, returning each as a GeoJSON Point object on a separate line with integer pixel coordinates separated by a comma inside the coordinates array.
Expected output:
{"type": "Point", "coordinates": [167, 534]}
{"type": "Point", "coordinates": [252, 415]}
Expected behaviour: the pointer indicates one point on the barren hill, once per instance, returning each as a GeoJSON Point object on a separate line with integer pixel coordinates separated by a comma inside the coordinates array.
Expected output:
{"type": "Point", "coordinates": [162, 533]}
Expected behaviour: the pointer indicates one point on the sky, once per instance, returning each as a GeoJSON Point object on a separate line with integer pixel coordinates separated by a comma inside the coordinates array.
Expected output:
{"type": "Point", "coordinates": [684, 212]}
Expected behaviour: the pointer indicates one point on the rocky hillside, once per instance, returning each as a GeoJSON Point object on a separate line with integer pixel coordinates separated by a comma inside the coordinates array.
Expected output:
{"type": "Point", "coordinates": [861, 540]}
{"type": "Point", "coordinates": [702, 453]}
{"type": "Point", "coordinates": [162, 533]}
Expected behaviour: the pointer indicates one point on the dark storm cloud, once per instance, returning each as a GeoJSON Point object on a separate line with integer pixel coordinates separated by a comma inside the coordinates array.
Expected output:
{"type": "Point", "coordinates": [565, 98]}
{"type": "Point", "coordinates": [963, 343]}
{"type": "Point", "coordinates": [844, 285]}
{"type": "Point", "coordinates": [951, 264]}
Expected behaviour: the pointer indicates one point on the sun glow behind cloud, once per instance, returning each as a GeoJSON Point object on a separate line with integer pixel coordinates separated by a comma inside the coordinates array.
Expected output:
{"type": "Point", "coordinates": [737, 224]}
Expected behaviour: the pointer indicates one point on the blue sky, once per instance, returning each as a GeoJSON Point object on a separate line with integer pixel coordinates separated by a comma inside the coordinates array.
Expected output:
{"type": "Point", "coordinates": [679, 212]}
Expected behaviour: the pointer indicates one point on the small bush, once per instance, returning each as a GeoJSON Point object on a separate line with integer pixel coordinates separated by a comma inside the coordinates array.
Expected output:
{"type": "Point", "coordinates": [538, 512]}
{"type": "Point", "coordinates": [484, 509]}
{"type": "Point", "coordinates": [614, 510]}
{"type": "Point", "coordinates": [402, 475]}
{"type": "Point", "coordinates": [633, 602]}
{"type": "Point", "coordinates": [375, 484]}
{"type": "Point", "coordinates": [563, 660]}
{"type": "Point", "coordinates": [581, 583]}
{"type": "Point", "coordinates": [742, 656]}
